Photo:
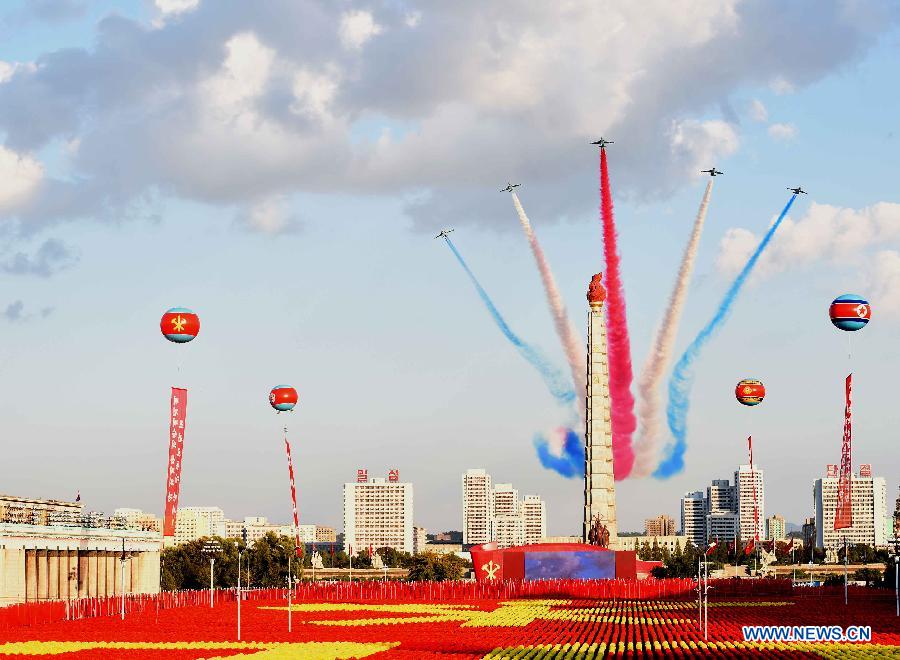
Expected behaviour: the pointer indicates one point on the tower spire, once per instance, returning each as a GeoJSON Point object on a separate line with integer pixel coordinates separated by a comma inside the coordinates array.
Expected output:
{"type": "Point", "coordinates": [599, 480]}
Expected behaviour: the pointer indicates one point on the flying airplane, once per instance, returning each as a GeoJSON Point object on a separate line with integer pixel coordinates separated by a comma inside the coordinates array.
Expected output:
{"type": "Point", "coordinates": [798, 191]}
{"type": "Point", "coordinates": [602, 142]}
{"type": "Point", "coordinates": [510, 186]}
{"type": "Point", "coordinates": [444, 233]}
{"type": "Point", "coordinates": [713, 172]}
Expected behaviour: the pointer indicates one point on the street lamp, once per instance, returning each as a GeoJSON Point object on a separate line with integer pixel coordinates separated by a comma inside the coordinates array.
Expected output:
{"type": "Point", "coordinates": [211, 549]}
{"type": "Point", "coordinates": [240, 553]}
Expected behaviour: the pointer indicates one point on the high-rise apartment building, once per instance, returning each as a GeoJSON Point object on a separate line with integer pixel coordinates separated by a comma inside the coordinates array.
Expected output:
{"type": "Point", "coordinates": [534, 513]}
{"type": "Point", "coordinates": [662, 525]}
{"type": "Point", "coordinates": [325, 534]}
{"type": "Point", "coordinates": [722, 526]}
{"type": "Point", "coordinates": [751, 502]}
{"type": "Point", "coordinates": [420, 538]}
{"type": "Point", "coordinates": [509, 530]}
{"type": "Point", "coordinates": [721, 496]}
{"type": "Point", "coordinates": [693, 517]}
{"type": "Point", "coordinates": [868, 498]}
{"type": "Point", "coordinates": [506, 500]}
{"type": "Point", "coordinates": [775, 528]}
{"type": "Point", "coordinates": [478, 507]}
{"type": "Point", "coordinates": [378, 513]}
{"type": "Point", "coordinates": [196, 522]}
{"type": "Point", "coordinates": [809, 532]}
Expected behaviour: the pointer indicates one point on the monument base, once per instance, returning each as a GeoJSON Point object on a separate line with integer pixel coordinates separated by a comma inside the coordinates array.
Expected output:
{"type": "Point", "coordinates": [553, 561]}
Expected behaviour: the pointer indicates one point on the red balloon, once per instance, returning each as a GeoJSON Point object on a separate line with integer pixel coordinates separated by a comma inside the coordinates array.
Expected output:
{"type": "Point", "coordinates": [750, 392]}
{"type": "Point", "coordinates": [283, 398]}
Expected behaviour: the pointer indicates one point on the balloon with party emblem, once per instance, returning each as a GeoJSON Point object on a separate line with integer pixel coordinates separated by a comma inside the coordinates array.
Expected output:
{"type": "Point", "coordinates": [850, 312]}
{"type": "Point", "coordinates": [180, 325]}
{"type": "Point", "coordinates": [750, 392]}
{"type": "Point", "coordinates": [283, 398]}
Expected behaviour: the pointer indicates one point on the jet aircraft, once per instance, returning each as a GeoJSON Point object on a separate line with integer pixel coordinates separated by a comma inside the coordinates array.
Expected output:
{"type": "Point", "coordinates": [602, 142]}
{"type": "Point", "coordinates": [510, 186]}
{"type": "Point", "coordinates": [798, 191]}
{"type": "Point", "coordinates": [713, 172]}
{"type": "Point", "coordinates": [444, 233]}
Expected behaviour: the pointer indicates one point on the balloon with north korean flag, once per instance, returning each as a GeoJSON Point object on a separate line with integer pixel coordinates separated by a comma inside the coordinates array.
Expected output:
{"type": "Point", "coordinates": [283, 398]}
{"type": "Point", "coordinates": [850, 312]}
{"type": "Point", "coordinates": [180, 325]}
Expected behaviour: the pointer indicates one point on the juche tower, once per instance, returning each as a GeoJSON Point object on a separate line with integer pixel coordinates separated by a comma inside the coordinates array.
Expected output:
{"type": "Point", "coordinates": [599, 480]}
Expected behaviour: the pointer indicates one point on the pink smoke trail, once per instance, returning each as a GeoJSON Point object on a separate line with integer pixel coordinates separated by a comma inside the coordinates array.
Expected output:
{"type": "Point", "coordinates": [661, 354]}
{"type": "Point", "coordinates": [620, 376]}
{"type": "Point", "coordinates": [573, 346]}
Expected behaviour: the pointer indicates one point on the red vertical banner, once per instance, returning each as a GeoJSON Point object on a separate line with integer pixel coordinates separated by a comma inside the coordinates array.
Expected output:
{"type": "Point", "coordinates": [178, 413]}
{"type": "Point", "coordinates": [755, 504]}
{"type": "Point", "coordinates": [287, 448]}
{"type": "Point", "coordinates": [843, 513]}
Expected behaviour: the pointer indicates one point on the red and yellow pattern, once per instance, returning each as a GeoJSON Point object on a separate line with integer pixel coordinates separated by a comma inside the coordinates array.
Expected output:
{"type": "Point", "coordinates": [536, 628]}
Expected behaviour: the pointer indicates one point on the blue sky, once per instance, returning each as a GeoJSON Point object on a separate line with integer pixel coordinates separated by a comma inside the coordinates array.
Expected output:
{"type": "Point", "coordinates": [306, 248]}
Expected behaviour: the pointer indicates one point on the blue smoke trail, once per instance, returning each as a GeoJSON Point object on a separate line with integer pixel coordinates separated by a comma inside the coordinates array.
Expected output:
{"type": "Point", "coordinates": [553, 378]}
{"type": "Point", "coordinates": [683, 376]}
{"type": "Point", "coordinates": [571, 463]}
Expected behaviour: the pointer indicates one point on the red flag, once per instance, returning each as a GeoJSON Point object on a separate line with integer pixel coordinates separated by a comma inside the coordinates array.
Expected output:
{"type": "Point", "coordinates": [712, 546]}
{"type": "Point", "coordinates": [753, 477]}
{"type": "Point", "coordinates": [178, 408]}
{"type": "Point", "coordinates": [299, 545]}
{"type": "Point", "coordinates": [843, 514]}
{"type": "Point", "coordinates": [790, 545]}
{"type": "Point", "coordinates": [749, 547]}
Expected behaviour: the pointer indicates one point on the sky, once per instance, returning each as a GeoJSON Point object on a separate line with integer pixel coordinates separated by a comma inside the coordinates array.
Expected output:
{"type": "Point", "coordinates": [281, 169]}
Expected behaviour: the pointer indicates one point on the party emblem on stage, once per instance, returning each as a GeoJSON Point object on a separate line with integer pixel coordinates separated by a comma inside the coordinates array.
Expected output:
{"type": "Point", "coordinates": [491, 569]}
{"type": "Point", "coordinates": [180, 325]}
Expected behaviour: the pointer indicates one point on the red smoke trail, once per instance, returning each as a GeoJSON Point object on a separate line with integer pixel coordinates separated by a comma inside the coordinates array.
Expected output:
{"type": "Point", "coordinates": [622, 414]}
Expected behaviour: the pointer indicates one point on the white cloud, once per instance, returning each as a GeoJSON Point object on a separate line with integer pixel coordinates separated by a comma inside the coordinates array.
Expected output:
{"type": "Point", "coordinates": [357, 27]}
{"type": "Point", "coordinates": [884, 282]}
{"type": "Point", "coordinates": [781, 85]}
{"type": "Point", "coordinates": [230, 107]}
{"type": "Point", "coordinates": [699, 144]}
{"type": "Point", "coordinates": [20, 176]}
{"type": "Point", "coordinates": [243, 74]}
{"type": "Point", "coordinates": [826, 233]}
{"type": "Point", "coordinates": [171, 7]}
{"type": "Point", "coordinates": [412, 19]}
{"type": "Point", "coordinates": [269, 216]}
{"type": "Point", "coordinates": [782, 132]}
{"type": "Point", "coordinates": [6, 71]}
{"type": "Point", "coordinates": [758, 111]}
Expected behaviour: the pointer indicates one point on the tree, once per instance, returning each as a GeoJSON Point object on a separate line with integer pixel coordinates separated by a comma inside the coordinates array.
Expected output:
{"type": "Point", "coordinates": [268, 560]}
{"type": "Point", "coordinates": [868, 575]}
{"type": "Point", "coordinates": [432, 566]}
{"type": "Point", "coordinates": [644, 552]}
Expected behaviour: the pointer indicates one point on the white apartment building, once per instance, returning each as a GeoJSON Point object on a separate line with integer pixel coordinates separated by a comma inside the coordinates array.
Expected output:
{"type": "Point", "coordinates": [868, 497]}
{"type": "Point", "coordinates": [534, 513]}
{"type": "Point", "coordinates": [378, 513]}
{"type": "Point", "coordinates": [670, 542]}
{"type": "Point", "coordinates": [721, 496]}
{"type": "Point", "coordinates": [722, 526]}
{"type": "Point", "coordinates": [693, 517]}
{"type": "Point", "coordinates": [509, 530]}
{"type": "Point", "coordinates": [138, 519]}
{"type": "Point", "coordinates": [420, 539]}
{"type": "Point", "coordinates": [506, 500]}
{"type": "Point", "coordinates": [776, 528]}
{"type": "Point", "coordinates": [196, 522]}
{"type": "Point", "coordinates": [478, 507]}
{"type": "Point", "coordinates": [746, 479]}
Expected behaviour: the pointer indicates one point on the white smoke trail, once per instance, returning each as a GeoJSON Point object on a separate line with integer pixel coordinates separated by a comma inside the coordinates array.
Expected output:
{"type": "Point", "coordinates": [574, 348]}
{"type": "Point", "coordinates": [650, 405]}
